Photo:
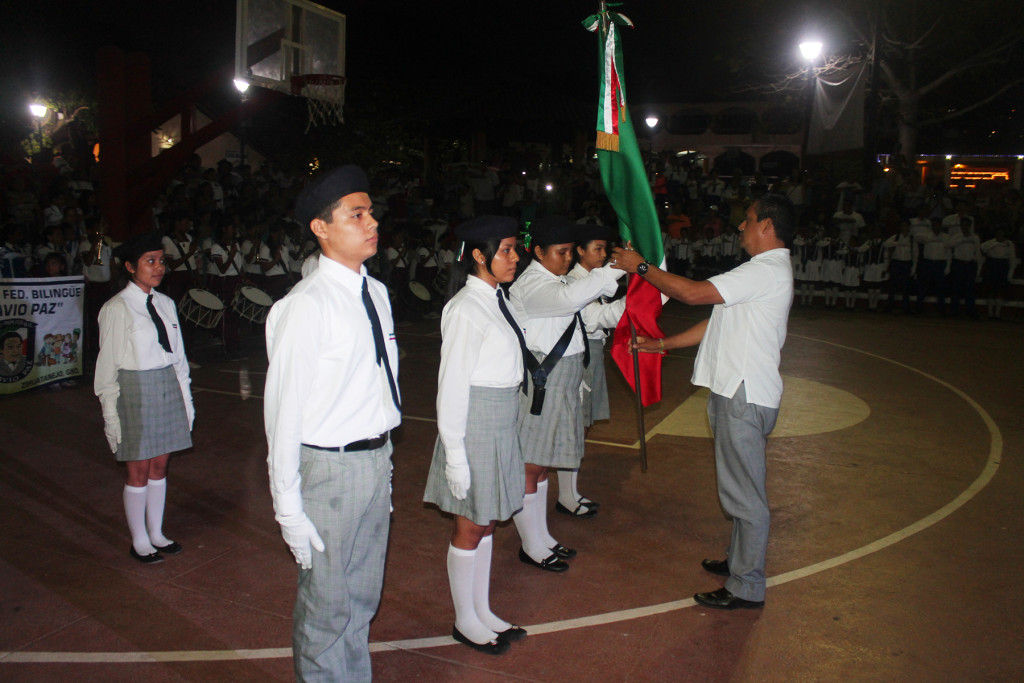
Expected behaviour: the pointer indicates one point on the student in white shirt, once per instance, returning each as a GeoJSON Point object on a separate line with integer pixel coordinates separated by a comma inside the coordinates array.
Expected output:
{"type": "Point", "coordinates": [142, 381]}
{"type": "Point", "coordinates": [738, 360]}
{"type": "Point", "coordinates": [330, 403]}
{"type": "Point", "coordinates": [551, 416]}
{"type": "Point", "coordinates": [598, 316]}
{"type": "Point", "coordinates": [224, 272]}
{"type": "Point", "coordinates": [1000, 261]}
{"type": "Point", "coordinates": [477, 470]}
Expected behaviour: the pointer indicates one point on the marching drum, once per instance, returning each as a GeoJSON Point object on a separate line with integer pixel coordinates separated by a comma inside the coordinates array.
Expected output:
{"type": "Point", "coordinates": [252, 304]}
{"type": "Point", "coordinates": [417, 298]}
{"type": "Point", "coordinates": [201, 308]}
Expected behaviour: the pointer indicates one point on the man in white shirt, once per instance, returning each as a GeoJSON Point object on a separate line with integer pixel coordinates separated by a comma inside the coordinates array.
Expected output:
{"type": "Point", "coordinates": [738, 360]}
{"type": "Point", "coordinates": [331, 401]}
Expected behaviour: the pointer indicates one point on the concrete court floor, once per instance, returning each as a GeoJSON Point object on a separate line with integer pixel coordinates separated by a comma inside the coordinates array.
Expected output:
{"type": "Point", "coordinates": [895, 479]}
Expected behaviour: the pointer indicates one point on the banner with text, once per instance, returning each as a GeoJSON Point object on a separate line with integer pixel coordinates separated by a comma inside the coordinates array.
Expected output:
{"type": "Point", "coordinates": [40, 331]}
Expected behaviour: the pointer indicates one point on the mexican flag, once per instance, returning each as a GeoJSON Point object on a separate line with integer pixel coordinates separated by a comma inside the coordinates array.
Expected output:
{"type": "Point", "coordinates": [625, 182]}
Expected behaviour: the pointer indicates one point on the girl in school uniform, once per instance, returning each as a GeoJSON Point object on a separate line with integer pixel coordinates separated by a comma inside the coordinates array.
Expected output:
{"type": "Point", "coordinates": [551, 415]}
{"type": "Point", "coordinates": [852, 264]}
{"type": "Point", "coordinates": [477, 471]}
{"type": "Point", "coordinates": [142, 381]}
{"type": "Point", "coordinates": [874, 267]}
{"type": "Point", "coordinates": [599, 315]}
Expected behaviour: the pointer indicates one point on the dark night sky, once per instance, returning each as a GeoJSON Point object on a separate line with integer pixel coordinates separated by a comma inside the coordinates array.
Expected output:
{"type": "Point", "coordinates": [458, 46]}
{"type": "Point", "coordinates": [436, 53]}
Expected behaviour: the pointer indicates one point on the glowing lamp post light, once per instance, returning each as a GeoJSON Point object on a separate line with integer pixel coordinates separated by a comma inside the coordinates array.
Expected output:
{"type": "Point", "coordinates": [242, 86]}
{"type": "Point", "coordinates": [810, 50]}
{"type": "Point", "coordinates": [651, 120]}
{"type": "Point", "coordinates": [38, 112]}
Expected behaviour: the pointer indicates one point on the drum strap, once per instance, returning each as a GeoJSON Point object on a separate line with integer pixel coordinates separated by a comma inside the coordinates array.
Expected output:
{"type": "Point", "coordinates": [181, 251]}
{"type": "Point", "coordinates": [378, 341]}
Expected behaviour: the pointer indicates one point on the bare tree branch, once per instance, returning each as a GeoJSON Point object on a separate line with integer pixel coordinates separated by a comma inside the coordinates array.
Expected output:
{"type": "Point", "coordinates": [996, 54]}
{"type": "Point", "coordinates": [960, 112]}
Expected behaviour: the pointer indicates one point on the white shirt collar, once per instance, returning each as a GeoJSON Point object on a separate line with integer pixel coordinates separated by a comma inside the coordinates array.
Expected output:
{"type": "Point", "coordinates": [134, 291]}
{"type": "Point", "coordinates": [343, 274]}
{"type": "Point", "coordinates": [476, 283]}
{"type": "Point", "coordinates": [535, 265]}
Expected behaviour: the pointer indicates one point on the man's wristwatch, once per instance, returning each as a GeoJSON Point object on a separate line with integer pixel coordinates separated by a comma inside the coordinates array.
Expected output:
{"type": "Point", "coordinates": [641, 269]}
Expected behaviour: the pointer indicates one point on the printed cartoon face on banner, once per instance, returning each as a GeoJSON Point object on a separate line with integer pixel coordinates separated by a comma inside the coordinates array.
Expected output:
{"type": "Point", "coordinates": [17, 339]}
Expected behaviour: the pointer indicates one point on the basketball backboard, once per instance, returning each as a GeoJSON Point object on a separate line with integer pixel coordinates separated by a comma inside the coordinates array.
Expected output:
{"type": "Point", "coordinates": [279, 40]}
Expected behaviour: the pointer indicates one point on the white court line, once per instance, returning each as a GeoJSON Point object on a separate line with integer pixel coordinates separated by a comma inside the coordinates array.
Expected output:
{"type": "Point", "coordinates": [987, 473]}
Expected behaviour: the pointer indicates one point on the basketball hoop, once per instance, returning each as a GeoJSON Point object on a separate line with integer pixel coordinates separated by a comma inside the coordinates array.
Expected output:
{"type": "Point", "coordinates": [325, 97]}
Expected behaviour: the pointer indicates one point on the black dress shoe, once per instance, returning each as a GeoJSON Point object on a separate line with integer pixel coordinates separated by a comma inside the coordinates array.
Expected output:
{"type": "Point", "coordinates": [494, 647]}
{"type": "Point", "coordinates": [720, 567]}
{"type": "Point", "coordinates": [581, 511]}
{"type": "Point", "coordinates": [723, 599]}
{"type": "Point", "coordinates": [172, 548]}
{"type": "Point", "coordinates": [589, 503]}
{"type": "Point", "coordinates": [563, 552]}
{"type": "Point", "coordinates": [553, 563]}
{"type": "Point", "coordinates": [512, 634]}
{"type": "Point", "coordinates": [152, 558]}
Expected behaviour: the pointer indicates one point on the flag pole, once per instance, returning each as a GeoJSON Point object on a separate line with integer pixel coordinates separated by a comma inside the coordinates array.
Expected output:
{"type": "Point", "coordinates": [639, 402]}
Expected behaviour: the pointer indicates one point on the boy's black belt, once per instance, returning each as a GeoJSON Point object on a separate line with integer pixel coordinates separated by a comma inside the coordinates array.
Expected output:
{"type": "Point", "coordinates": [364, 445]}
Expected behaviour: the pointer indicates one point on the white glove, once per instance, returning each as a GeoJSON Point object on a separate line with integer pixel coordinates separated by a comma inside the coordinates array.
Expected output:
{"type": "Point", "coordinates": [456, 471]}
{"type": "Point", "coordinates": [190, 414]}
{"type": "Point", "coordinates": [614, 272]}
{"type": "Point", "coordinates": [112, 430]}
{"type": "Point", "coordinates": [300, 535]}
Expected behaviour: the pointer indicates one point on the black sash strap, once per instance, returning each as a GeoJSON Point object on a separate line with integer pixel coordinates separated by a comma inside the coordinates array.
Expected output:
{"type": "Point", "coordinates": [540, 371]}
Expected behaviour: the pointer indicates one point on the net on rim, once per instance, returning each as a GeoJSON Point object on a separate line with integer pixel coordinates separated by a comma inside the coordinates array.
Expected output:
{"type": "Point", "coordinates": [325, 97]}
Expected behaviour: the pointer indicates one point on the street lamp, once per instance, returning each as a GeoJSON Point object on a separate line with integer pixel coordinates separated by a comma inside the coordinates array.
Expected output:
{"type": "Point", "coordinates": [38, 111]}
{"type": "Point", "coordinates": [651, 120]}
{"type": "Point", "coordinates": [241, 85]}
{"type": "Point", "coordinates": [810, 49]}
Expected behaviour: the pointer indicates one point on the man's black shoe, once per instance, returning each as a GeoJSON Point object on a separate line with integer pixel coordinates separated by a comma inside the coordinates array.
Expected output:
{"type": "Point", "coordinates": [720, 567]}
{"type": "Point", "coordinates": [723, 599]}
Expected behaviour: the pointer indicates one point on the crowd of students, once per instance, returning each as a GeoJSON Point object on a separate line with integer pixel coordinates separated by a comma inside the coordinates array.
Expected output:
{"type": "Point", "coordinates": [228, 226]}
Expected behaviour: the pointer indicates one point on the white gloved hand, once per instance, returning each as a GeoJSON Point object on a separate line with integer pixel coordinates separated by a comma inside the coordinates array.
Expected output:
{"type": "Point", "coordinates": [190, 414]}
{"type": "Point", "coordinates": [112, 430]}
{"type": "Point", "coordinates": [456, 471]}
{"type": "Point", "coordinates": [614, 272]}
{"type": "Point", "coordinates": [300, 535]}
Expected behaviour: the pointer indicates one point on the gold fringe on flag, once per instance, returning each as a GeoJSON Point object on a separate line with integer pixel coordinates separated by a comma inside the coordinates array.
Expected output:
{"type": "Point", "coordinates": [607, 141]}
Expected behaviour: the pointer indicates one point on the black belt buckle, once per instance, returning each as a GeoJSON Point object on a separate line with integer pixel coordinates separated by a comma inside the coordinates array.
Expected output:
{"type": "Point", "coordinates": [367, 444]}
